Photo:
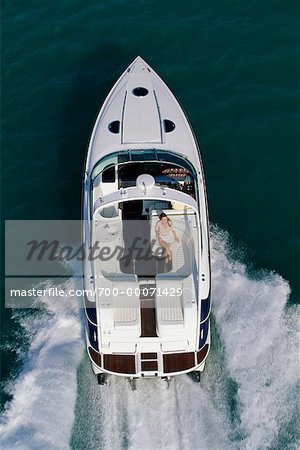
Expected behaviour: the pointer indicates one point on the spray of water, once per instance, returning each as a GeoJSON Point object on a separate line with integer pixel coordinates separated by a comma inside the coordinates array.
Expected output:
{"type": "Point", "coordinates": [41, 412]}
{"type": "Point", "coordinates": [259, 332]}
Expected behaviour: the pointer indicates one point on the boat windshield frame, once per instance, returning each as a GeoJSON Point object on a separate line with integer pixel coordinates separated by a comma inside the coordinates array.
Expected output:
{"type": "Point", "coordinates": [152, 155]}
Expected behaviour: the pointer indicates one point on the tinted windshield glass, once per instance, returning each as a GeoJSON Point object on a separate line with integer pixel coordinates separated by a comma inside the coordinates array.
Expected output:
{"type": "Point", "coordinates": [127, 156]}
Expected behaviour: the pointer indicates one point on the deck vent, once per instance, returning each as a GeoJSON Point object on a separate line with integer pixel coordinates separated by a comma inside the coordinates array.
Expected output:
{"type": "Point", "coordinates": [140, 92]}
{"type": "Point", "coordinates": [114, 127]}
{"type": "Point", "coordinates": [169, 126]}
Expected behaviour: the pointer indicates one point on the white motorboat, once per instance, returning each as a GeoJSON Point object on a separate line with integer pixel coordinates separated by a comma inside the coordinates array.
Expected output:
{"type": "Point", "coordinates": [147, 271]}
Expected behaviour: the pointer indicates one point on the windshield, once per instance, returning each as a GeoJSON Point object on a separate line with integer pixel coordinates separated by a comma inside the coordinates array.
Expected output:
{"type": "Point", "coordinates": [121, 169]}
{"type": "Point", "coordinates": [126, 156]}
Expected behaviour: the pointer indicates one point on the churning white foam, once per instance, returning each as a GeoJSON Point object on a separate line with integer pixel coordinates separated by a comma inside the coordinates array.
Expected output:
{"type": "Point", "coordinates": [41, 413]}
{"type": "Point", "coordinates": [261, 345]}
{"type": "Point", "coordinates": [254, 346]}
{"type": "Point", "coordinates": [182, 416]}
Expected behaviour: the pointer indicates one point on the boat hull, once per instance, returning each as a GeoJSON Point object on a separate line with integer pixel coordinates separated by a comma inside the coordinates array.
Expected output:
{"type": "Point", "coordinates": [141, 114]}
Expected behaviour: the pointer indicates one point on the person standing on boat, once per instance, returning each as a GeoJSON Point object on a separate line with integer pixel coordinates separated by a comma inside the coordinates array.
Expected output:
{"type": "Point", "coordinates": [165, 235]}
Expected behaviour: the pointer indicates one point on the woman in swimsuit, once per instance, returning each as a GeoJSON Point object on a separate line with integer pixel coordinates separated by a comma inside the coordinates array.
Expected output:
{"type": "Point", "coordinates": [165, 235]}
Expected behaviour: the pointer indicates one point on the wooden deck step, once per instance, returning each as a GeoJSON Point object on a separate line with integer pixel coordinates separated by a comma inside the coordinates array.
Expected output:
{"type": "Point", "coordinates": [148, 319]}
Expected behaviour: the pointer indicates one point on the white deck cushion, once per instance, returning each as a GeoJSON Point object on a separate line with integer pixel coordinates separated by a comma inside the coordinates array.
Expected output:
{"type": "Point", "coordinates": [169, 307]}
{"type": "Point", "coordinates": [126, 308]}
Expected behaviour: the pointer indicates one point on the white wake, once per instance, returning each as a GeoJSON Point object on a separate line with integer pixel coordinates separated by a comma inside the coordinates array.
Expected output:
{"type": "Point", "coordinates": [41, 413]}
{"type": "Point", "coordinates": [260, 337]}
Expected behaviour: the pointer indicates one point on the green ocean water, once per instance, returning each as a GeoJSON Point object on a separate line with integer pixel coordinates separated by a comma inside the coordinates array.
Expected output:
{"type": "Point", "coordinates": [234, 67]}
